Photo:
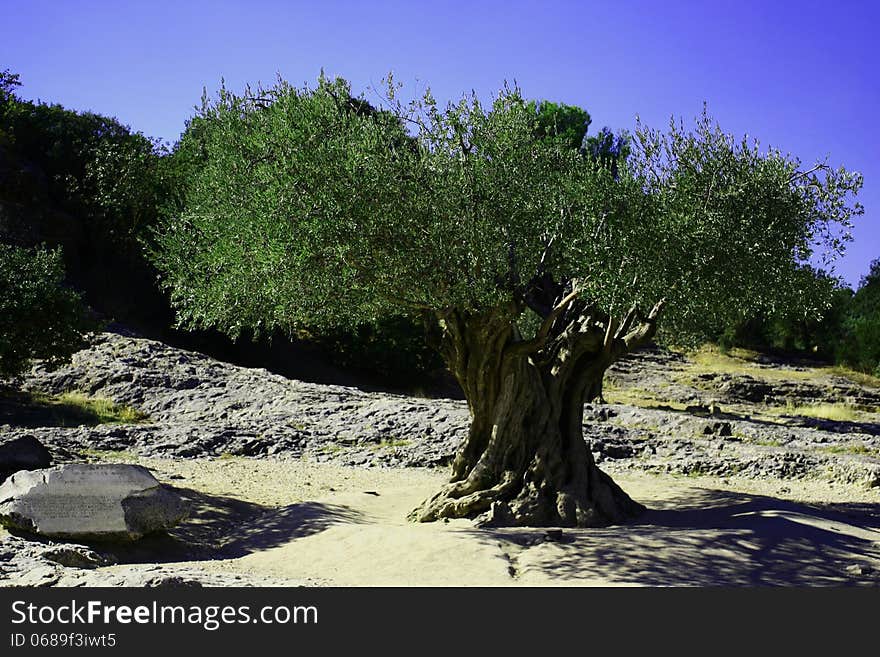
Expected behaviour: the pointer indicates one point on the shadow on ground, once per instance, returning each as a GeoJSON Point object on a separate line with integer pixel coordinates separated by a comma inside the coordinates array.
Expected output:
{"type": "Point", "coordinates": [776, 422]}
{"type": "Point", "coordinates": [710, 538]}
{"type": "Point", "coordinates": [222, 527]}
{"type": "Point", "coordinates": [22, 409]}
{"type": "Point", "coordinates": [835, 426]}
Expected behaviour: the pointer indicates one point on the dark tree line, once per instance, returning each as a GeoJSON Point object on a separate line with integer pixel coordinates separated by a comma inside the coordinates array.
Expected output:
{"type": "Point", "coordinates": [89, 186]}
{"type": "Point", "coordinates": [847, 332]}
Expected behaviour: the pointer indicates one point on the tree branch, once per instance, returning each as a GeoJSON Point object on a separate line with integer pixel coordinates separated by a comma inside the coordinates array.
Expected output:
{"type": "Point", "coordinates": [556, 312]}
{"type": "Point", "coordinates": [403, 301]}
{"type": "Point", "coordinates": [465, 148]}
{"type": "Point", "coordinates": [542, 265]}
{"type": "Point", "coordinates": [610, 333]}
{"type": "Point", "coordinates": [627, 322]}
{"type": "Point", "coordinates": [823, 166]}
{"type": "Point", "coordinates": [646, 329]}
{"type": "Point", "coordinates": [513, 277]}
{"type": "Point", "coordinates": [540, 339]}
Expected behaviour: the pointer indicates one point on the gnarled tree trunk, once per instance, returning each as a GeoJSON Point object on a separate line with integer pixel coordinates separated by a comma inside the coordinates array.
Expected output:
{"type": "Point", "coordinates": [525, 460]}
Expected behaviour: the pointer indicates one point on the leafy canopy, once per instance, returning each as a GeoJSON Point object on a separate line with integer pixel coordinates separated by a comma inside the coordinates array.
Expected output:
{"type": "Point", "coordinates": [859, 346]}
{"type": "Point", "coordinates": [87, 165]}
{"type": "Point", "coordinates": [311, 208]}
{"type": "Point", "coordinates": [89, 185]}
{"type": "Point", "coordinates": [39, 316]}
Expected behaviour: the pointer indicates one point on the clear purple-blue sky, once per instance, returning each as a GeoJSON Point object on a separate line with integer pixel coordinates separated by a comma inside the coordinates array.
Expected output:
{"type": "Point", "coordinates": [802, 76]}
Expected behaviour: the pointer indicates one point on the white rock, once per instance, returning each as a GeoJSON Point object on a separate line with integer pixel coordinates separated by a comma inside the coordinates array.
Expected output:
{"type": "Point", "coordinates": [89, 502]}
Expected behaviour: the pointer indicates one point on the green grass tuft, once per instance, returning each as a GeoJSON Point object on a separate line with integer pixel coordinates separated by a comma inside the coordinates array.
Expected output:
{"type": "Point", "coordinates": [72, 409]}
{"type": "Point", "coordinates": [105, 411]}
{"type": "Point", "coordinates": [856, 449]}
{"type": "Point", "coordinates": [833, 412]}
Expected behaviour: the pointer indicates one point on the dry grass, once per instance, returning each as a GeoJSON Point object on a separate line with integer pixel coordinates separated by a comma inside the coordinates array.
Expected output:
{"type": "Point", "coordinates": [856, 449]}
{"type": "Point", "coordinates": [711, 359]}
{"type": "Point", "coordinates": [636, 397]}
{"type": "Point", "coordinates": [98, 409]}
{"type": "Point", "coordinates": [109, 455]}
{"type": "Point", "coordinates": [860, 378]}
{"type": "Point", "coordinates": [833, 412]}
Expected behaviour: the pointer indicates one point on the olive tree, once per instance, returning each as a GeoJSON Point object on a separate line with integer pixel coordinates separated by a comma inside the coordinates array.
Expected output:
{"type": "Point", "coordinates": [536, 265]}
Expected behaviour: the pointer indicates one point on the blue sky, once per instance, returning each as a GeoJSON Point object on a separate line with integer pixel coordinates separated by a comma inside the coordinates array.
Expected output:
{"type": "Point", "coordinates": [802, 76]}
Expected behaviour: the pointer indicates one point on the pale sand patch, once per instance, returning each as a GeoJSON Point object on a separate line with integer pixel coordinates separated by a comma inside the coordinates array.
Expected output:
{"type": "Point", "coordinates": [335, 525]}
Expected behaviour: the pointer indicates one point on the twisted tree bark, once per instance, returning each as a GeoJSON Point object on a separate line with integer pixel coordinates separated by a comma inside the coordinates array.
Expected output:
{"type": "Point", "coordinates": [525, 460]}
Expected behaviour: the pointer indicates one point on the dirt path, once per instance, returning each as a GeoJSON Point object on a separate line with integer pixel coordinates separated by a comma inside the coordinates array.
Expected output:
{"type": "Point", "coordinates": [299, 521]}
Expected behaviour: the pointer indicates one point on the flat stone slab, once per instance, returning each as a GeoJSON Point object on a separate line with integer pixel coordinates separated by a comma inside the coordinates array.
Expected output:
{"type": "Point", "coordinates": [89, 502]}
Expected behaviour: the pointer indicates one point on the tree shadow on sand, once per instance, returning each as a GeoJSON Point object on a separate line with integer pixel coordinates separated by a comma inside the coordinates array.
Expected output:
{"type": "Point", "coordinates": [833, 426]}
{"type": "Point", "coordinates": [780, 421]}
{"type": "Point", "coordinates": [711, 538]}
{"type": "Point", "coordinates": [221, 527]}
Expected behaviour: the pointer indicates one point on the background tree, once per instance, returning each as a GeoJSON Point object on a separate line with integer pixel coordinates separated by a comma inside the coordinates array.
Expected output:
{"type": "Point", "coordinates": [607, 148]}
{"type": "Point", "coordinates": [566, 126]}
{"type": "Point", "coordinates": [557, 124]}
{"type": "Point", "coordinates": [39, 316]}
{"type": "Point", "coordinates": [859, 344]}
{"type": "Point", "coordinates": [789, 329]}
{"type": "Point", "coordinates": [536, 266]}
{"type": "Point", "coordinates": [88, 184]}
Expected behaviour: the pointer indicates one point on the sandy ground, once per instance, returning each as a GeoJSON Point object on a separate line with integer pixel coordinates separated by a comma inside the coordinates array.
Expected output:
{"type": "Point", "coordinates": [322, 524]}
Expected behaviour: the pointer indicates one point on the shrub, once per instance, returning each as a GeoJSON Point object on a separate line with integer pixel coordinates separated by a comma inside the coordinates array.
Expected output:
{"type": "Point", "coordinates": [39, 316]}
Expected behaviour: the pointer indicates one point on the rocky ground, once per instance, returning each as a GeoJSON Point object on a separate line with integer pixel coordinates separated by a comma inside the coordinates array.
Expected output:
{"type": "Point", "coordinates": [752, 419]}
{"type": "Point", "coordinates": [199, 406]}
{"type": "Point", "coordinates": [678, 418]}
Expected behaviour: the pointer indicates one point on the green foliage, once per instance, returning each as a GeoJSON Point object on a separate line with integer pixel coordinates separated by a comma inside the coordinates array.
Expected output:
{"type": "Point", "coordinates": [308, 212]}
{"type": "Point", "coordinates": [181, 165]}
{"type": "Point", "coordinates": [86, 183]}
{"type": "Point", "coordinates": [738, 226]}
{"type": "Point", "coordinates": [847, 333]}
{"type": "Point", "coordinates": [39, 316]}
{"type": "Point", "coordinates": [860, 343]}
{"type": "Point", "coordinates": [608, 149]}
{"type": "Point", "coordinates": [92, 167]}
{"type": "Point", "coordinates": [392, 348]}
{"type": "Point", "coordinates": [559, 125]}
{"type": "Point", "coordinates": [821, 337]}
{"type": "Point", "coordinates": [8, 82]}
{"type": "Point", "coordinates": [566, 126]}
{"type": "Point", "coordinates": [789, 329]}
